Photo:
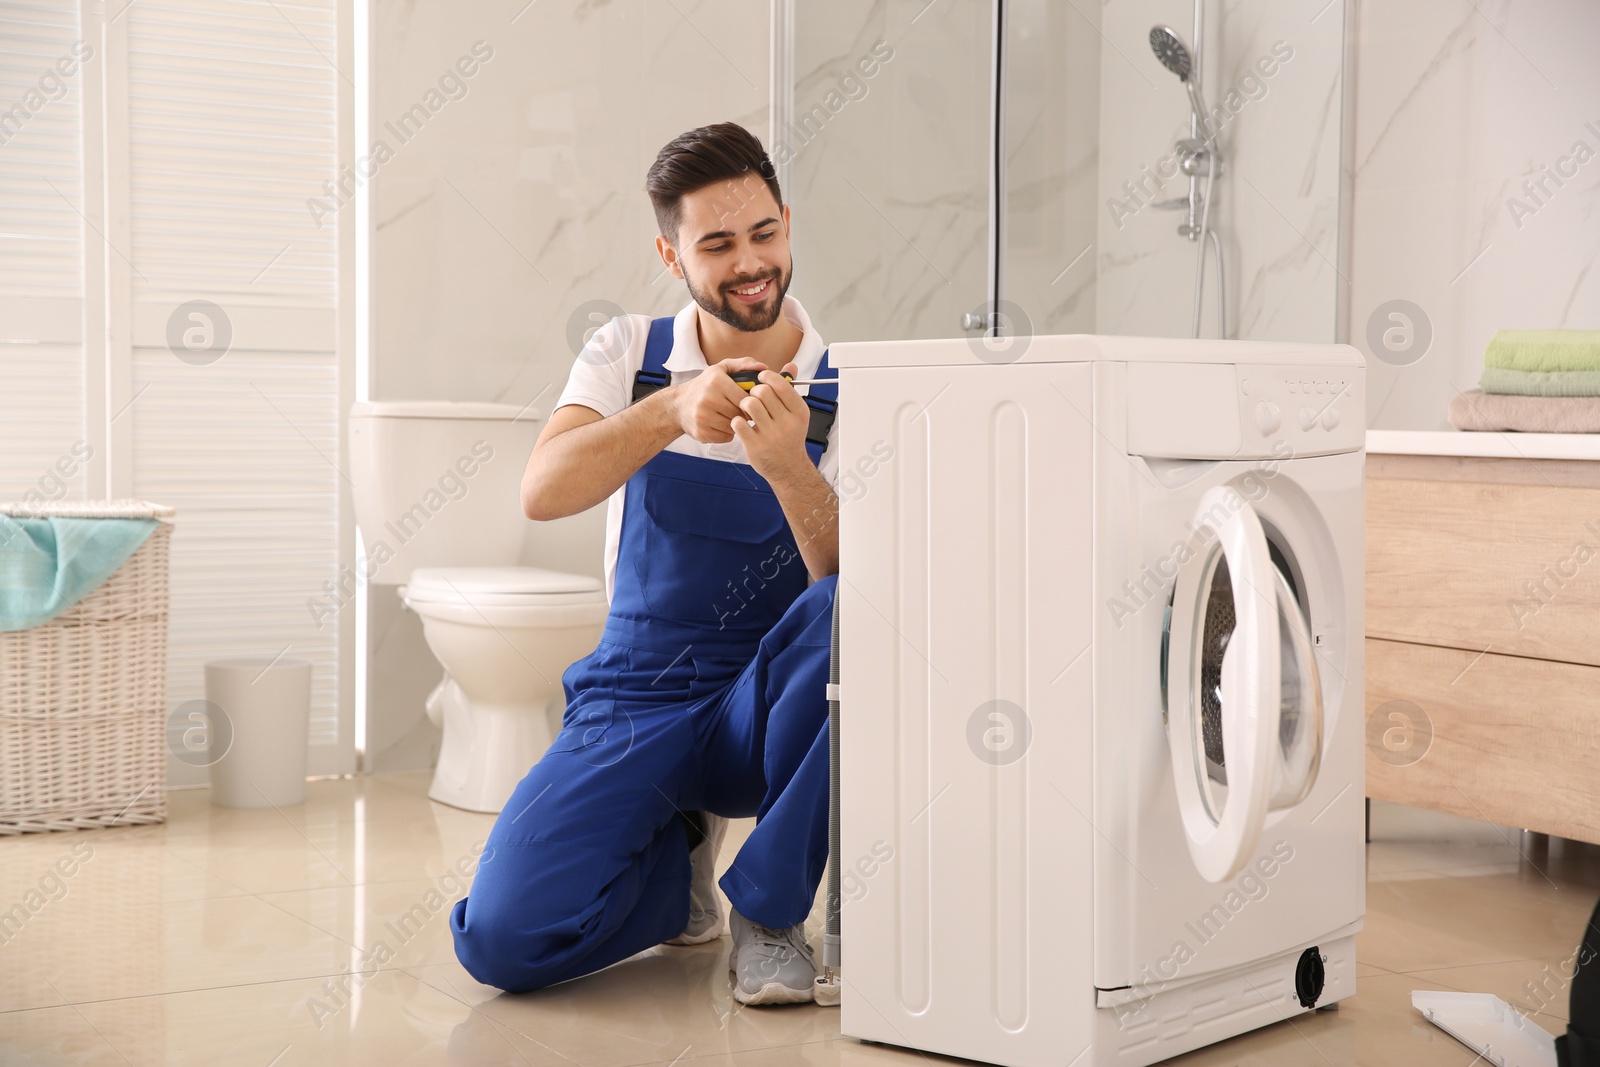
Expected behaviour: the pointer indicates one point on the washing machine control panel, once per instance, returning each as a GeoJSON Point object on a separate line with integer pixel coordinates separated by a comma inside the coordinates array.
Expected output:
{"type": "Point", "coordinates": [1181, 410]}
{"type": "Point", "coordinates": [1314, 410]}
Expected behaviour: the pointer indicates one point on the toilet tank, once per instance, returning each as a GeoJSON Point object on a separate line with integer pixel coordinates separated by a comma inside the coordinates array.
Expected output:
{"type": "Point", "coordinates": [438, 484]}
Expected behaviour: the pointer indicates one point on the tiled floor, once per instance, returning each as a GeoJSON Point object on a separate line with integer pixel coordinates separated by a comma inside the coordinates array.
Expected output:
{"type": "Point", "coordinates": [218, 937]}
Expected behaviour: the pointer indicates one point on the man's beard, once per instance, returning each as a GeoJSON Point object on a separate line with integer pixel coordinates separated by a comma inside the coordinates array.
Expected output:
{"type": "Point", "coordinates": [749, 318]}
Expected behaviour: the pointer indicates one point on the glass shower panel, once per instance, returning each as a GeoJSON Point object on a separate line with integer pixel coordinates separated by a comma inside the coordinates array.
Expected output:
{"type": "Point", "coordinates": [887, 150]}
{"type": "Point", "coordinates": [890, 175]}
{"type": "Point", "coordinates": [1052, 132]}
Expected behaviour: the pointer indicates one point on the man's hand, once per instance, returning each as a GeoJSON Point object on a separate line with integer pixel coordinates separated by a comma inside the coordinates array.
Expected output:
{"type": "Point", "coordinates": [708, 402]}
{"type": "Point", "coordinates": [772, 425]}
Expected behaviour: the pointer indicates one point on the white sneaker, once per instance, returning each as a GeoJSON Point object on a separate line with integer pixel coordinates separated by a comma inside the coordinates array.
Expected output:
{"type": "Point", "coordinates": [705, 898]}
{"type": "Point", "coordinates": [770, 966]}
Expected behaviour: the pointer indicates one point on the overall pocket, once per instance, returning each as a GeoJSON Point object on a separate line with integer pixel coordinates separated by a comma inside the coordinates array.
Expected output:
{"type": "Point", "coordinates": [708, 549]}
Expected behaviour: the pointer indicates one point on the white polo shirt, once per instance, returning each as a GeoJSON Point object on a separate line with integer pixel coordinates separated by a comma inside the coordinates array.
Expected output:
{"type": "Point", "coordinates": [602, 379]}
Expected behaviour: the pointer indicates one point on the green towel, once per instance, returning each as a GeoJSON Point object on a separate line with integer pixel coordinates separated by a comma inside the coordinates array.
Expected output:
{"type": "Point", "coordinates": [48, 565]}
{"type": "Point", "coordinates": [1544, 350]}
{"type": "Point", "coordinates": [1540, 382]}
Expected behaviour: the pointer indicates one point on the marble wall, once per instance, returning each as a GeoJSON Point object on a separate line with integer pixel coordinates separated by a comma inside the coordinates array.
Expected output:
{"type": "Point", "coordinates": [1476, 198]}
{"type": "Point", "coordinates": [518, 198]}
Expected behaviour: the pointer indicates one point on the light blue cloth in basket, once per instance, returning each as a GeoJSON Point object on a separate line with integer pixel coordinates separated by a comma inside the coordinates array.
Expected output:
{"type": "Point", "coordinates": [49, 564]}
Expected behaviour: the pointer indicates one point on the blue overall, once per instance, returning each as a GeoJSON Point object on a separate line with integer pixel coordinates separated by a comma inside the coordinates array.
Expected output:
{"type": "Point", "coordinates": [707, 692]}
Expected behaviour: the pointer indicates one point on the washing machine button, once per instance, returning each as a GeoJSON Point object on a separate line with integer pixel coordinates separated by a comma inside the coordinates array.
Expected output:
{"type": "Point", "coordinates": [1330, 417]}
{"type": "Point", "coordinates": [1308, 418]}
{"type": "Point", "coordinates": [1268, 418]}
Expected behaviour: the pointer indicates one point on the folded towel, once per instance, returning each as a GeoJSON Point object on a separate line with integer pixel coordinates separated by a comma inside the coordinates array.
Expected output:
{"type": "Point", "coordinates": [48, 565]}
{"type": "Point", "coordinates": [1544, 350]}
{"type": "Point", "coordinates": [1540, 382]}
{"type": "Point", "coordinates": [1477, 410]}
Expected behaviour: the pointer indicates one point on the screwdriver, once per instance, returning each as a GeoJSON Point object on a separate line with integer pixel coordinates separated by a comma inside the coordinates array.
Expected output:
{"type": "Point", "coordinates": [749, 379]}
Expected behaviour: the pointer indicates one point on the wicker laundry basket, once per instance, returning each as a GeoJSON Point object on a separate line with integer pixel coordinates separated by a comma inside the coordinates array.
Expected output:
{"type": "Point", "coordinates": [82, 697]}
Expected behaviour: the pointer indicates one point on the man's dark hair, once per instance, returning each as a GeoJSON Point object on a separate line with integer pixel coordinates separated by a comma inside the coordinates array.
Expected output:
{"type": "Point", "coordinates": [709, 155]}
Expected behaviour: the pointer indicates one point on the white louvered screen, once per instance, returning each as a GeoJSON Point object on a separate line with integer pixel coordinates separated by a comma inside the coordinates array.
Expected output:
{"type": "Point", "coordinates": [42, 441]}
{"type": "Point", "coordinates": [232, 123]}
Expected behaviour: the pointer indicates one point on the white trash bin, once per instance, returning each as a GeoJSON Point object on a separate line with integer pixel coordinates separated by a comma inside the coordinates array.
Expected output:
{"type": "Point", "coordinates": [265, 715]}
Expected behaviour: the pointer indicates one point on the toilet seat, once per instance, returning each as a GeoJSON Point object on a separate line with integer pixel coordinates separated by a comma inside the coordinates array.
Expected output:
{"type": "Point", "coordinates": [501, 586]}
{"type": "Point", "coordinates": [504, 596]}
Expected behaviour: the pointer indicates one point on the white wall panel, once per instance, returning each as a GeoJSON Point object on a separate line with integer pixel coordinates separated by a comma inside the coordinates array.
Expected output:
{"type": "Point", "coordinates": [232, 127]}
{"type": "Point", "coordinates": [41, 252]}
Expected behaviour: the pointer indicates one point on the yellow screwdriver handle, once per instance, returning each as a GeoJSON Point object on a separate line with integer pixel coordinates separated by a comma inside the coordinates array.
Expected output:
{"type": "Point", "coordinates": [749, 379]}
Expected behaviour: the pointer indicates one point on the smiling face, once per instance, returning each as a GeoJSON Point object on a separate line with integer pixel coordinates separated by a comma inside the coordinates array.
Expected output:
{"type": "Point", "coordinates": [733, 252]}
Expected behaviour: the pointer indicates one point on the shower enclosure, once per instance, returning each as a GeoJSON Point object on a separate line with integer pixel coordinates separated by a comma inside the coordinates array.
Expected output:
{"type": "Point", "coordinates": [1000, 168]}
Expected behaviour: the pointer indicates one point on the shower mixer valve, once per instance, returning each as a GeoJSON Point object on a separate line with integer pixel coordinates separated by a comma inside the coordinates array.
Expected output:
{"type": "Point", "coordinates": [1195, 159]}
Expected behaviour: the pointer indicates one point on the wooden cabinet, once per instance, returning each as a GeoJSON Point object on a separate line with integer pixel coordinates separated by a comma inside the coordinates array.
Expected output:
{"type": "Point", "coordinates": [1483, 638]}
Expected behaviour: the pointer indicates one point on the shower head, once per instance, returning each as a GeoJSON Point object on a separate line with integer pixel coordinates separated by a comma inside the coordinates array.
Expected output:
{"type": "Point", "coordinates": [1168, 47]}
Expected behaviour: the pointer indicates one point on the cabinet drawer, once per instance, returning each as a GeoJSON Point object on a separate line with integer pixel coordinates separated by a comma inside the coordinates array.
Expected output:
{"type": "Point", "coordinates": [1499, 738]}
{"type": "Point", "coordinates": [1514, 568]}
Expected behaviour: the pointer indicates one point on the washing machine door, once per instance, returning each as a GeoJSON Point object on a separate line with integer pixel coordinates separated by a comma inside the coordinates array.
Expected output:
{"type": "Point", "coordinates": [1244, 721]}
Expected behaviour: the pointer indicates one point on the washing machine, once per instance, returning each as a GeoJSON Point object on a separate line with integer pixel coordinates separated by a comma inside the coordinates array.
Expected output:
{"type": "Point", "coordinates": [1100, 753]}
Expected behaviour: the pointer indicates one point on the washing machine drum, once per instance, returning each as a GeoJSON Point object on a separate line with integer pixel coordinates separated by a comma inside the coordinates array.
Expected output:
{"type": "Point", "coordinates": [1214, 634]}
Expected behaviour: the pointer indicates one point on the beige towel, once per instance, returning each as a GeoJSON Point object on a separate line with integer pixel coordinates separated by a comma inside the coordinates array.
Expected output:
{"type": "Point", "coordinates": [1477, 410]}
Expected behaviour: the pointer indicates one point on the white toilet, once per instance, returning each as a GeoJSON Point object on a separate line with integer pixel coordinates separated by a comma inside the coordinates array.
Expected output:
{"type": "Point", "coordinates": [436, 500]}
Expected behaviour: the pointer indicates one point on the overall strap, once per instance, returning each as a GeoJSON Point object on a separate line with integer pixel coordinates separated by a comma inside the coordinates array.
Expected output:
{"type": "Point", "coordinates": [653, 374]}
{"type": "Point", "coordinates": [823, 400]}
